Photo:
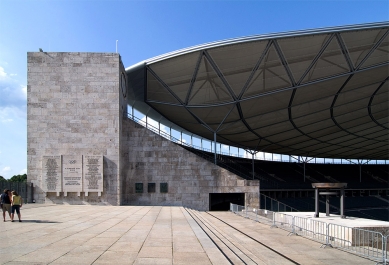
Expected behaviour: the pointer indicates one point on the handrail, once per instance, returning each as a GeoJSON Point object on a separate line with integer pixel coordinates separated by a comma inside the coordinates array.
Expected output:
{"type": "Point", "coordinates": [325, 161]}
{"type": "Point", "coordinates": [276, 203]}
{"type": "Point", "coordinates": [185, 145]}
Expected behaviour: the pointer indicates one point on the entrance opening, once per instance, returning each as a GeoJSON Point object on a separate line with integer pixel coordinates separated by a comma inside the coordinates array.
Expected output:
{"type": "Point", "coordinates": [221, 201]}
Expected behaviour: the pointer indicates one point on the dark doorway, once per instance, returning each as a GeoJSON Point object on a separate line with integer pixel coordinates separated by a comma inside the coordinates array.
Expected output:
{"type": "Point", "coordinates": [221, 201]}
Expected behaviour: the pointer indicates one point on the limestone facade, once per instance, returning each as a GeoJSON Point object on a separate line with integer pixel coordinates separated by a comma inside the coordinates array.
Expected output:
{"type": "Point", "coordinates": [190, 179]}
{"type": "Point", "coordinates": [74, 107]}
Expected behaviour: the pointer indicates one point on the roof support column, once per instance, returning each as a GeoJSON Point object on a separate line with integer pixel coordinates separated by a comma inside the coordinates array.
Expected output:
{"type": "Point", "coordinates": [342, 203]}
{"type": "Point", "coordinates": [316, 203]}
{"type": "Point", "coordinates": [252, 155]}
{"type": "Point", "coordinates": [214, 142]}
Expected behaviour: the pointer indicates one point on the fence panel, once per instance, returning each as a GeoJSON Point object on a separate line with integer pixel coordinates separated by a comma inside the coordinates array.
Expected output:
{"type": "Point", "coordinates": [283, 221]}
{"type": "Point", "coordinates": [241, 210]}
{"type": "Point", "coordinates": [370, 244]}
{"type": "Point", "coordinates": [313, 229]}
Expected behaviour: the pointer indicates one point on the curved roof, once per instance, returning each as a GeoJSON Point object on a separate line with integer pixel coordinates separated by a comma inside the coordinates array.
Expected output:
{"type": "Point", "coordinates": [317, 93]}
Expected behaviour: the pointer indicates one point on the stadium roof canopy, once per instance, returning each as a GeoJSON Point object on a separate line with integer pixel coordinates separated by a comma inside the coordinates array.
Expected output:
{"type": "Point", "coordinates": [316, 93]}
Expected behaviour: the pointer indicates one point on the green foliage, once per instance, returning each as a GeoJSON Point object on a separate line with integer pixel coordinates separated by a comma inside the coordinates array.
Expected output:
{"type": "Point", "coordinates": [19, 178]}
{"type": "Point", "coordinates": [2, 178]}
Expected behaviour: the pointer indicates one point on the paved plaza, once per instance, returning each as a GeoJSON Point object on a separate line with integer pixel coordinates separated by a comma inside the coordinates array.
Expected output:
{"type": "Point", "coordinates": [64, 234]}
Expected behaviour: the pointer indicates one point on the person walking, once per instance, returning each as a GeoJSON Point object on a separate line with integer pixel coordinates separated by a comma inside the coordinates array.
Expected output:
{"type": "Point", "coordinates": [16, 203]}
{"type": "Point", "coordinates": [6, 203]}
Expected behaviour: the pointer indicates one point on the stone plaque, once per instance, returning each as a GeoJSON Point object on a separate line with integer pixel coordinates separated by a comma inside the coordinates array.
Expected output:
{"type": "Point", "coordinates": [93, 174]}
{"type": "Point", "coordinates": [72, 174]}
{"type": "Point", "coordinates": [51, 174]}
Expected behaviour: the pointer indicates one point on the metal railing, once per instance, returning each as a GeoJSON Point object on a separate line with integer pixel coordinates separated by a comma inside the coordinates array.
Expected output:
{"type": "Point", "coordinates": [210, 158]}
{"type": "Point", "coordinates": [271, 204]}
{"type": "Point", "coordinates": [266, 156]}
{"type": "Point", "coordinates": [366, 243]}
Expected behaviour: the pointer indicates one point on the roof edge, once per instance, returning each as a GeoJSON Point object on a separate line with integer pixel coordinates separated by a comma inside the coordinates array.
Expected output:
{"type": "Point", "coordinates": [259, 37]}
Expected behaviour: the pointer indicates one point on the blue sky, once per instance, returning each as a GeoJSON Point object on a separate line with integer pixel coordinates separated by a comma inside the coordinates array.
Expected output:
{"type": "Point", "coordinates": [144, 29]}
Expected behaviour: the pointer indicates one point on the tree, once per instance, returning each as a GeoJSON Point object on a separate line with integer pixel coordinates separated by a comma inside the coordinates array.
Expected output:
{"type": "Point", "coordinates": [19, 178]}
{"type": "Point", "coordinates": [2, 178]}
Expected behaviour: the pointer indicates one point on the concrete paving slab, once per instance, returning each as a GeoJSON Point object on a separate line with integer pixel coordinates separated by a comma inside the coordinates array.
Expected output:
{"type": "Point", "coordinates": [153, 261]}
{"type": "Point", "coordinates": [155, 252]}
{"type": "Point", "coordinates": [84, 234]}
{"type": "Point", "coordinates": [188, 258]}
{"type": "Point", "coordinates": [117, 257]}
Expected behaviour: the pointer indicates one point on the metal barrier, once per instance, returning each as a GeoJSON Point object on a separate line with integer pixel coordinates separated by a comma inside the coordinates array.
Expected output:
{"type": "Point", "coordinates": [369, 244]}
{"type": "Point", "coordinates": [259, 215]}
{"type": "Point", "coordinates": [366, 243]}
{"type": "Point", "coordinates": [283, 221]}
{"type": "Point", "coordinates": [310, 228]}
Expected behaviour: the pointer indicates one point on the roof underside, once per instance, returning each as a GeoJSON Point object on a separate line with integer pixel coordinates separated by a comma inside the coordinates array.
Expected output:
{"type": "Point", "coordinates": [322, 94]}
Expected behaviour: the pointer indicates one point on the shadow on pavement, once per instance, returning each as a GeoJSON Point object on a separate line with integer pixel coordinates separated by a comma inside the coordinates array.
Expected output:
{"type": "Point", "coordinates": [38, 221]}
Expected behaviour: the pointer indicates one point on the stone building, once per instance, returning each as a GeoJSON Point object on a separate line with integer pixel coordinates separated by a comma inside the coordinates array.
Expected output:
{"type": "Point", "coordinates": [82, 149]}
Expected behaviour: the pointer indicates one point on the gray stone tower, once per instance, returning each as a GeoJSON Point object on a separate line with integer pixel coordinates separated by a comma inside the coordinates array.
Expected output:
{"type": "Point", "coordinates": [74, 124]}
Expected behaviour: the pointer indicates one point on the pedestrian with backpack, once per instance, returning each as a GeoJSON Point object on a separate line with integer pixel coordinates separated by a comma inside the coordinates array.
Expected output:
{"type": "Point", "coordinates": [6, 203]}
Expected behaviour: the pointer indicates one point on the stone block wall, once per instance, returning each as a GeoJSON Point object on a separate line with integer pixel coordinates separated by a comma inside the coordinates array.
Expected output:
{"type": "Point", "coordinates": [75, 107]}
{"type": "Point", "coordinates": [154, 159]}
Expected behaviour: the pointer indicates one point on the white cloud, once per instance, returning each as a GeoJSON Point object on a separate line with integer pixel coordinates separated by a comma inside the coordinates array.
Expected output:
{"type": "Point", "coordinates": [24, 90]}
{"type": "Point", "coordinates": [12, 113]}
{"type": "Point", "coordinates": [3, 74]}
{"type": "Point", "coordinates": [13, 124]}
{"type": "Point", "coordinates": [12, 93]}
{"type": "Point", "coordinates": [5, 170]}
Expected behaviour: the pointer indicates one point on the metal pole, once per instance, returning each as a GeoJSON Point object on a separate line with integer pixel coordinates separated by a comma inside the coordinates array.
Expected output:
{"type": "Point", "coordinates": [316, 203]}
{"type": "Point", "coordinates": [342, 203]}
{"type": "Point", "coordinates": [384, 248]}
{"type": "Point", "coordinates": [253, 164]}
{"type": "Point", "coordinates": [214, 138]}
{"type": "Point", "coordinates": [327, 205]}
{"type": "Point", "coordinates": [304, 171]}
